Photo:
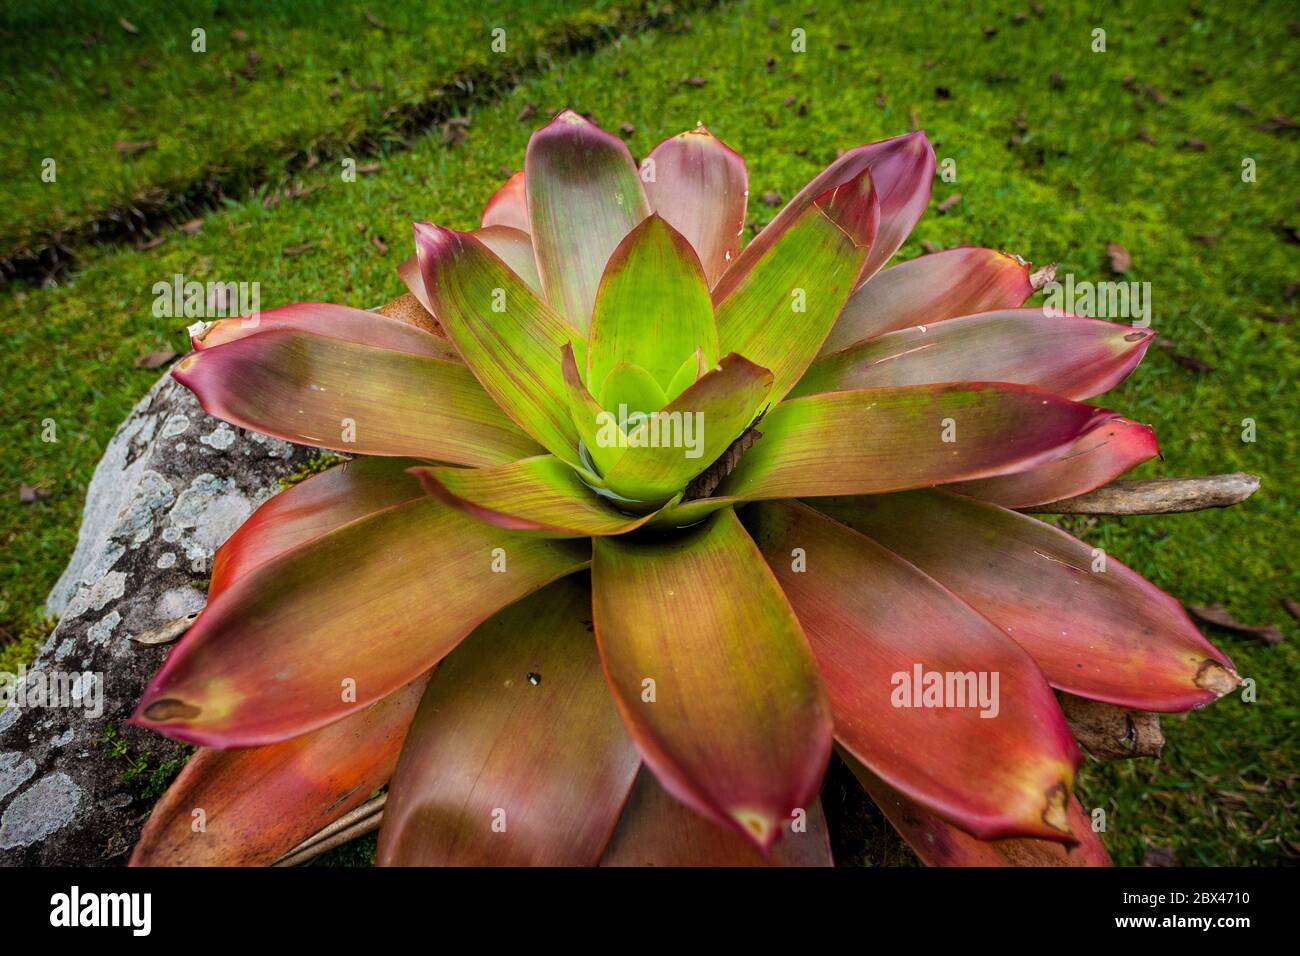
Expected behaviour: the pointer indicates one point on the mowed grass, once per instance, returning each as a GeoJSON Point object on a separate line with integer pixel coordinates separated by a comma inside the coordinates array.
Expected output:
{"type": "Point", "coordinates": [146, 115]}
{"type": "Point", "coordinates": [1051, 168]}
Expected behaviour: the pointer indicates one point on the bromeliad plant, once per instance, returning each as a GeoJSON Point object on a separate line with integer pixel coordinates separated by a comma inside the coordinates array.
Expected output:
{"type": "Point", "coordinates": [533, 603]}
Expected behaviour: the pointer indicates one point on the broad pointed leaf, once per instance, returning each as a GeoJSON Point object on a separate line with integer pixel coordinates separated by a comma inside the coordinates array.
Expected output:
{"type": "Point", "coordinates": [712, 674]}
{"type": "Point", "coordinates": [888, 439]}
{"type": "Point", "coordinates": [508, 205]}
{"type": "Point", "coordinates": [630, 388]}
{"type": "Point", "coordinates": [515, 249]}
{"type": "Point", "coordinates": [657, 830]}
{"type": "Point", "coordinates": [1094, 627]}
{"type": "Point", "coordinates": [1097, 458]}
{"type": "Point", "coordinates": [517, 756]}
{"type": "Point", "coordinates": [409, 271]}
{"type": "Point", "coordinates": [653, 308]}
{"type": "Point", "coordinates": [1066, 355]}
{"type": "Point", "coordinates": [590, 420]}
{"type": "Point", "coordinates": [931, 696]}
{"type": "Point", "coordinates": [929, 289]}
{"type": "Point", "coordinates": [511, 246]}
{"type": "Point", "coordinates": [310, 509]}
{"type": "Point", "coordinates": [584, 196]}
{"type": "Point", "coordinates": [782, 309]}
{"type": "Point", "coordinates": [333, 625]}
{"type": "Point", "coordinates": [689, 434]}
{"type": "Point", "coordinates": [509, 338]}
{"type": "Point", "coordinates": [259, 803]}
{"type": "Point", "coordinates": [334, 321]}
{"type": "Point", "coordinates": [700, 186]}
{"type": "Point", "coordinates": [902, 169]}
{"type": "Point", "coordinates": [941, 844]}
{"type": "Point", "coordinates": [360, 399]}
{"type": "Point", "coordinates": [539, 495]}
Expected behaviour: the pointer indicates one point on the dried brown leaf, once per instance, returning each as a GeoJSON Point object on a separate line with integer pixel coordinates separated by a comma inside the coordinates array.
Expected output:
{"type": "Point", "coordinates": [1216, 615]}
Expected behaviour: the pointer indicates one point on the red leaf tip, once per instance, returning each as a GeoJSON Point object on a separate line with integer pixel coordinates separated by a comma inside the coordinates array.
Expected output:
{"type": "Point", "coordinates": [758, 827]}
{"type": "Point", "coordinates": [182, 370]}
{"type": "Point", "coordinates": [854, 207]}
{"type": "Point", "coordinates": [1055, 812]}
{"type": "Point", "coordinates": [569, 115]}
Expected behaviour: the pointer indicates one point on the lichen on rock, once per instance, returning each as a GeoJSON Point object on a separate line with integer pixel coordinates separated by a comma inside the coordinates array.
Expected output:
{"type": "Point", "coordinates": [172, 485]}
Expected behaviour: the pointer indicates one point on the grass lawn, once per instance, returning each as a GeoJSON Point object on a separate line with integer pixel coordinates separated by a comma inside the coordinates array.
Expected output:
{"type": "Point", "coordinates": [1058, 152]}
{"type": "Point", "coordinates": [143, 116]}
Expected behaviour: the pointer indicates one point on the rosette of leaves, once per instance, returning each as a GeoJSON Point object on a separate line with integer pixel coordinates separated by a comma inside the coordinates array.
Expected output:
{"type": "Point", "coordinates": [564, 631]}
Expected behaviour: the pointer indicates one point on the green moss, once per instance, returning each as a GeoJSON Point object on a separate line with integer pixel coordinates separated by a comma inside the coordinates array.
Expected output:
{"type": "Point", "coordinates": [318, 463]}
{"type": "Point", "coordinates": [1078, 177]}
{"type": "Point", "coordinates": [149, 776]}
{"type": "Point", "coordinates": [22, 649]}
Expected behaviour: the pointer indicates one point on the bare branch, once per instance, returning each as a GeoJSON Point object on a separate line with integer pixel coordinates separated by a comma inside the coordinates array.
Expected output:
{"type": "Point", "coordinates": [1158, 496]}
{"type": "Point", "coordinates": [364, 819]}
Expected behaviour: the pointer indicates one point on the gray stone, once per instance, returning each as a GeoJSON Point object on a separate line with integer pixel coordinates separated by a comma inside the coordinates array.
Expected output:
{"type": "Point", "coordinates": [158, 506]}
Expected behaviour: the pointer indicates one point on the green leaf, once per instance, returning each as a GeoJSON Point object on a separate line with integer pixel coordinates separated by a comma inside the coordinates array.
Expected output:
{"type": "Point", "coordinates": [584, 196]}
{"type": "Point", "coordinates": [689, 434]}
{"type": "Point", "coordinates": [352, 397]}
{"type": "Point", "coordinates": [653, 307]}
{"type": "Point", "coordinates": [784, 307]}
{"type": "Point", "coordinates": [589, 419]}
{"type": "Point", "coordinates": [631, 389]}
{"type": "Point", "coordinates": [319, 632]}
{"type": "Point", "coordinates": [509, 338]}
{"type": "Point", "coordinates": [712, 674]}
{"type": "Point", "coordinates": [690, 372]}
{"type": "Point", "coordinates": [550, 760]}
{"type": "Point", "coordinates": [541, 495]}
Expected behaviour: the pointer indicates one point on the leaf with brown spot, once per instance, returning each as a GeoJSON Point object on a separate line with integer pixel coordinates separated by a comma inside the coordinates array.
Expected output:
{"type": "Point", "coordinates": [291, 251]}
